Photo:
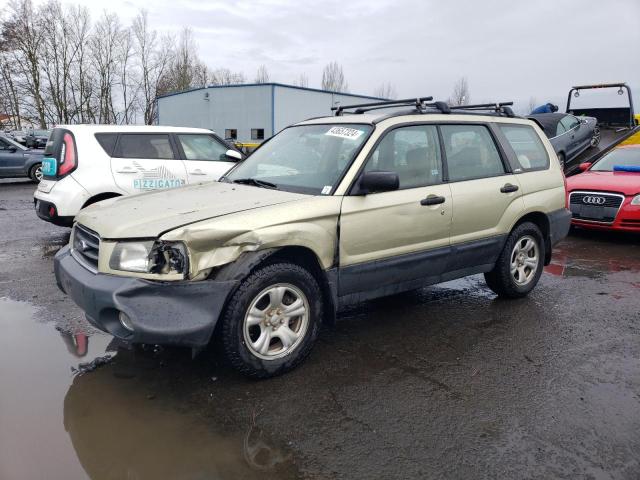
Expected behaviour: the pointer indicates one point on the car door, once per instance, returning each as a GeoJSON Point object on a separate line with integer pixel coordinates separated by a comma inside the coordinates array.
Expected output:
{"type": "Point", "coordinates": [486, 197]}
{"type": "Point", "coordinates": [204, 156]}
{"type": "Point", "coordinates": [403, 235]}
{"type": "Point", "coordinates": [146, 161]}
{"type": "Point", "coordinates": [12, 159]}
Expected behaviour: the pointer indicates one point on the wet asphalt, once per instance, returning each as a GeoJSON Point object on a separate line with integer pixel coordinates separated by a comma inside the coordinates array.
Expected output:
{"type": "Point", "coordinates": [444, 382]}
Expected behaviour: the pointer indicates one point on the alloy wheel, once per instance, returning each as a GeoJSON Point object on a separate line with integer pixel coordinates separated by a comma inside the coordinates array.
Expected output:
{"type": "Point", "coordinates": [525, 260]}
{"type": "Point", "coordinates": [276, 321]}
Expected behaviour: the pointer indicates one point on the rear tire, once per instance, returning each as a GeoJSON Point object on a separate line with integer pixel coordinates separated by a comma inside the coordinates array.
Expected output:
{"type": "Point", "coordinates": [520, 263]}
{"type": "Point", "coordinates": [272, 320]}
{"type": "Point", "coordinates": [35, 172]}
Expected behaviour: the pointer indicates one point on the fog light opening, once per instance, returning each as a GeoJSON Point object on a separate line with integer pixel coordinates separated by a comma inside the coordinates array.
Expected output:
{"type": "Point", "coordinates": [125, 321]}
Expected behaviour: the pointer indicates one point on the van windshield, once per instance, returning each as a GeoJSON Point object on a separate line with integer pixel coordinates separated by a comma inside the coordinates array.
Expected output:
{"type": "Point", "coordinates": [303, 159]}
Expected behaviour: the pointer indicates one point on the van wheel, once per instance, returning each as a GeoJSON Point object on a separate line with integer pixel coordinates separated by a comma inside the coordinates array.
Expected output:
{"type": "Point", "coordinates": [35, 173]}
{"type": "Point", "coordinates": [520, 264]}
{"type": "Point", "coordinates": [272, 321]}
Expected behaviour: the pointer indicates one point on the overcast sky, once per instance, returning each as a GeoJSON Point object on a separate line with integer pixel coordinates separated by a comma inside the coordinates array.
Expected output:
{"type": "Point", "coordinates": [507, 49]}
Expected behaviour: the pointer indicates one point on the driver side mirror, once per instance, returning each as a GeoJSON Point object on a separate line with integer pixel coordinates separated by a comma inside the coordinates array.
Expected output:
{"type": "Point", "coordinates": [584, 166]}
{"type": "Point", "coordinates": [378, 181]}
{"type": "Point", "coordinates": [233, 156]}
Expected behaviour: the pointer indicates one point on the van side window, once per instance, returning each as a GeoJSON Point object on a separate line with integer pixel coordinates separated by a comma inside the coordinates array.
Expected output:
{"type": "Point", "coordinates": [152, 146]}
{"type": "Point", "coordinates": [527, 146]}
{"type": "Point", "coordinates": [411, 152]}
{"type": "Point", "coordinates": [202, 147]}
{"type": "Point", "coordinates": [471, 152]}
{"type": "Point", "coordinates": [107, 141]}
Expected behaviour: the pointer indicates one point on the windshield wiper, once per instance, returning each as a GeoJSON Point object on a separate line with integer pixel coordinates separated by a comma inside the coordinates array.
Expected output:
{"type": "Point", "coordinates": [255, 182]}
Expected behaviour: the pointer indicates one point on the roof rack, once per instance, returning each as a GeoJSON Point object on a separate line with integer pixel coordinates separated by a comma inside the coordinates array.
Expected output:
{"type": "Point", "coordinates": [500, 108]}
{"type": "Point", "coordinates": [419, 103]}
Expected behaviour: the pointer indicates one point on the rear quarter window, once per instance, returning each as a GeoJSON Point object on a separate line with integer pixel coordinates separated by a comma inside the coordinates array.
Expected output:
{"type": "Point", "coordinates": [107, 141]}
{"type": "Point", "coordinates": [527, 146]}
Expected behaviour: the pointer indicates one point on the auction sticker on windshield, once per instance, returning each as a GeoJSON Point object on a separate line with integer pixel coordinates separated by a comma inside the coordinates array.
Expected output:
{"type": "Point", "coordinates": [345, 132]}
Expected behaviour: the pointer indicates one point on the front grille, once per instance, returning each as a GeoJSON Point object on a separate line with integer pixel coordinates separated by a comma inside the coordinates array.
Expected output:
{"type": "Point", "coordinates": [609, 199]}
{"type": "Point", "coordinates": [595, 206]}
{"type": "Point", "coordinates": [86, 246]}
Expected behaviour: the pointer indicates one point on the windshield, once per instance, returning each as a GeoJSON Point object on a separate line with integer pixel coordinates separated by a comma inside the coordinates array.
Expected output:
{"type": "Point", "coordinates": [623, 157]}
{"type": "Point", "coordinates": [41, 133]}
{"type": "Point", "coordinates": [304, 159]}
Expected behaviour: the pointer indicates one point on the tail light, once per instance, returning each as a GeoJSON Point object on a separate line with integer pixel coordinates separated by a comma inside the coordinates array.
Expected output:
{"type": "Point", "coordinates": [68, 159]}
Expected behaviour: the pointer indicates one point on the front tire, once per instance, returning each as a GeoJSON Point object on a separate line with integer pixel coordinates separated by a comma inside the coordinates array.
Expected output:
{"type": "Point", "coordinates": [520, 263]}
{"type": "Point", "coordinates": [272, 321]}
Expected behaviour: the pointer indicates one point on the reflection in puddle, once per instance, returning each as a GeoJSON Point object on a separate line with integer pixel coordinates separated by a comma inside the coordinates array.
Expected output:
{"type": "Point", "coordinates": [127, 419]}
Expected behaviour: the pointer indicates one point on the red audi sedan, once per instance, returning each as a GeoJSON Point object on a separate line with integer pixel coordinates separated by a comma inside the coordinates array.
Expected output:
{"type": "Point", "coordinates": [606, 195]}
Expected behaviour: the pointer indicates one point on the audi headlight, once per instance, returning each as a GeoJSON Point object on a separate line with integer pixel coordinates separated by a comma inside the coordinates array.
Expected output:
{"type": "Point", "coordinates": [150, 257]}
{"type": "Point", "coordinates": [635, 200]}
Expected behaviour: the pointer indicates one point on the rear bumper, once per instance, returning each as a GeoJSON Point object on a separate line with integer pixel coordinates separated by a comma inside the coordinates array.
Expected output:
{"type": "Point", "coordinates": [168, 313]}
{"type": "Point", "coordinates": [48, 212]}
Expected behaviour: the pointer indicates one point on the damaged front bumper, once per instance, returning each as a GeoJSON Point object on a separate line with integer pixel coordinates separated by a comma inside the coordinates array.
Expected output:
{"type": "Point", "coordinates": [168, 313]}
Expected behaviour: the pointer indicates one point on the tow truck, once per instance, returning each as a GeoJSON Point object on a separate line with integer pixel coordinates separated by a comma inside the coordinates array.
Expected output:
{"type": "Point", "coordinates": [617, 124]}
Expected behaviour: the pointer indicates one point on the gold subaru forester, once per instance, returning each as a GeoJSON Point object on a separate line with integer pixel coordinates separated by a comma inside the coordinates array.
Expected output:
{"type": "Point", "coordinates": [328, 212]}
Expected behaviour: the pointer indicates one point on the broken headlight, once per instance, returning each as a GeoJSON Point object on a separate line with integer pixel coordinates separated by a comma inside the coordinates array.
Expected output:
{"type": "Point", "coordinates": [150, 257]}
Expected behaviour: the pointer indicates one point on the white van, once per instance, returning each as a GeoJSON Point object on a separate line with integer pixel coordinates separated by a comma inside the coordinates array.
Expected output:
{"type": "Point", "coordinates": [84, 164]}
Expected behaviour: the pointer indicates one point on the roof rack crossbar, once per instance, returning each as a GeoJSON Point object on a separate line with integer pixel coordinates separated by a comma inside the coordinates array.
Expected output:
{"type": "Point", "coordinates": [365, 107]}
{"type": "Point", "coordinates": [499, 107]}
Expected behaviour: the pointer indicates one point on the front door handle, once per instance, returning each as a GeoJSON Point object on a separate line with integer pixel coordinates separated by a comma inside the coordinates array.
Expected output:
{"type": "Point", "coordinates": [197, 172]}
{"type": "Point", "coordinates": [432, 200]}
{"type": "Point", "coordinates": [508, 188]}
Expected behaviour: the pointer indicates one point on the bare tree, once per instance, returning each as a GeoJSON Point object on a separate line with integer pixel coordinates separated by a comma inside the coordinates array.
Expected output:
{"type": "Point", "coordinates": [533, 103]}
{"type": "Point", "coordinates": [302, 80]}
{"type": "Point", "coordinates": [460, 94]}
{"type": "Point", "coordinates": [333, 78]}
{"type": "Point", "coordinates": [224, 76]}
{"type": "Point", "coordinates": [24, 32]}
{"type": "Point", "coordinates": [262, 75]}
{"type": "Point", "coordinates": [153, 55]}
{"type": "Point", "coordinates": [386, 90]}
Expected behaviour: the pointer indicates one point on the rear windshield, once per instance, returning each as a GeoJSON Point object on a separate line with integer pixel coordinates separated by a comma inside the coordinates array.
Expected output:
{"type": "Point", "coordinates": [622, 157]}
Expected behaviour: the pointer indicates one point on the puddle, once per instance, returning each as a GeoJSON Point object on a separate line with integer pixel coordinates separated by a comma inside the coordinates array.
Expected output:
{"type": "Point", "coordinates": [125, 419]}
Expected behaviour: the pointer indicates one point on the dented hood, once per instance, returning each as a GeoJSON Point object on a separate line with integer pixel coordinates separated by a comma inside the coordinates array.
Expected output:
{"type": "Point", "coordinates": [150, 214]}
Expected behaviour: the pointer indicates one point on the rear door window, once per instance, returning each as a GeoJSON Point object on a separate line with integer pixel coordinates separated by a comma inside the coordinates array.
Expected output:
{"type": "Point", "coordinates": [527, 146]}
{"type": "Point", "coordinates": [152, 146]}
{"type": "Point", "coordinates": [471, 152]}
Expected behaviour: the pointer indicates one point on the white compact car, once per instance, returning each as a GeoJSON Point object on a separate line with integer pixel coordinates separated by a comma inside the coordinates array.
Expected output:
{"type": "Point", "coordinates": [84, 164]}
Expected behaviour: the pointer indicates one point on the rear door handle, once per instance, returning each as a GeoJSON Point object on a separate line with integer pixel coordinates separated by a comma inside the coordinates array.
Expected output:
{"type": "Point", "coordinates": [197, 172]}
{"type": "Point", "coordinates": [508, 188]}
{"type": "Point", "coordinates": [432, 200]}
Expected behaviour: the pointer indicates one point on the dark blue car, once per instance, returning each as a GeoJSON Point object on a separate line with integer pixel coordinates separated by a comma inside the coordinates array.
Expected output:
{"type": "Point", "coordinates": [19, 161]}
